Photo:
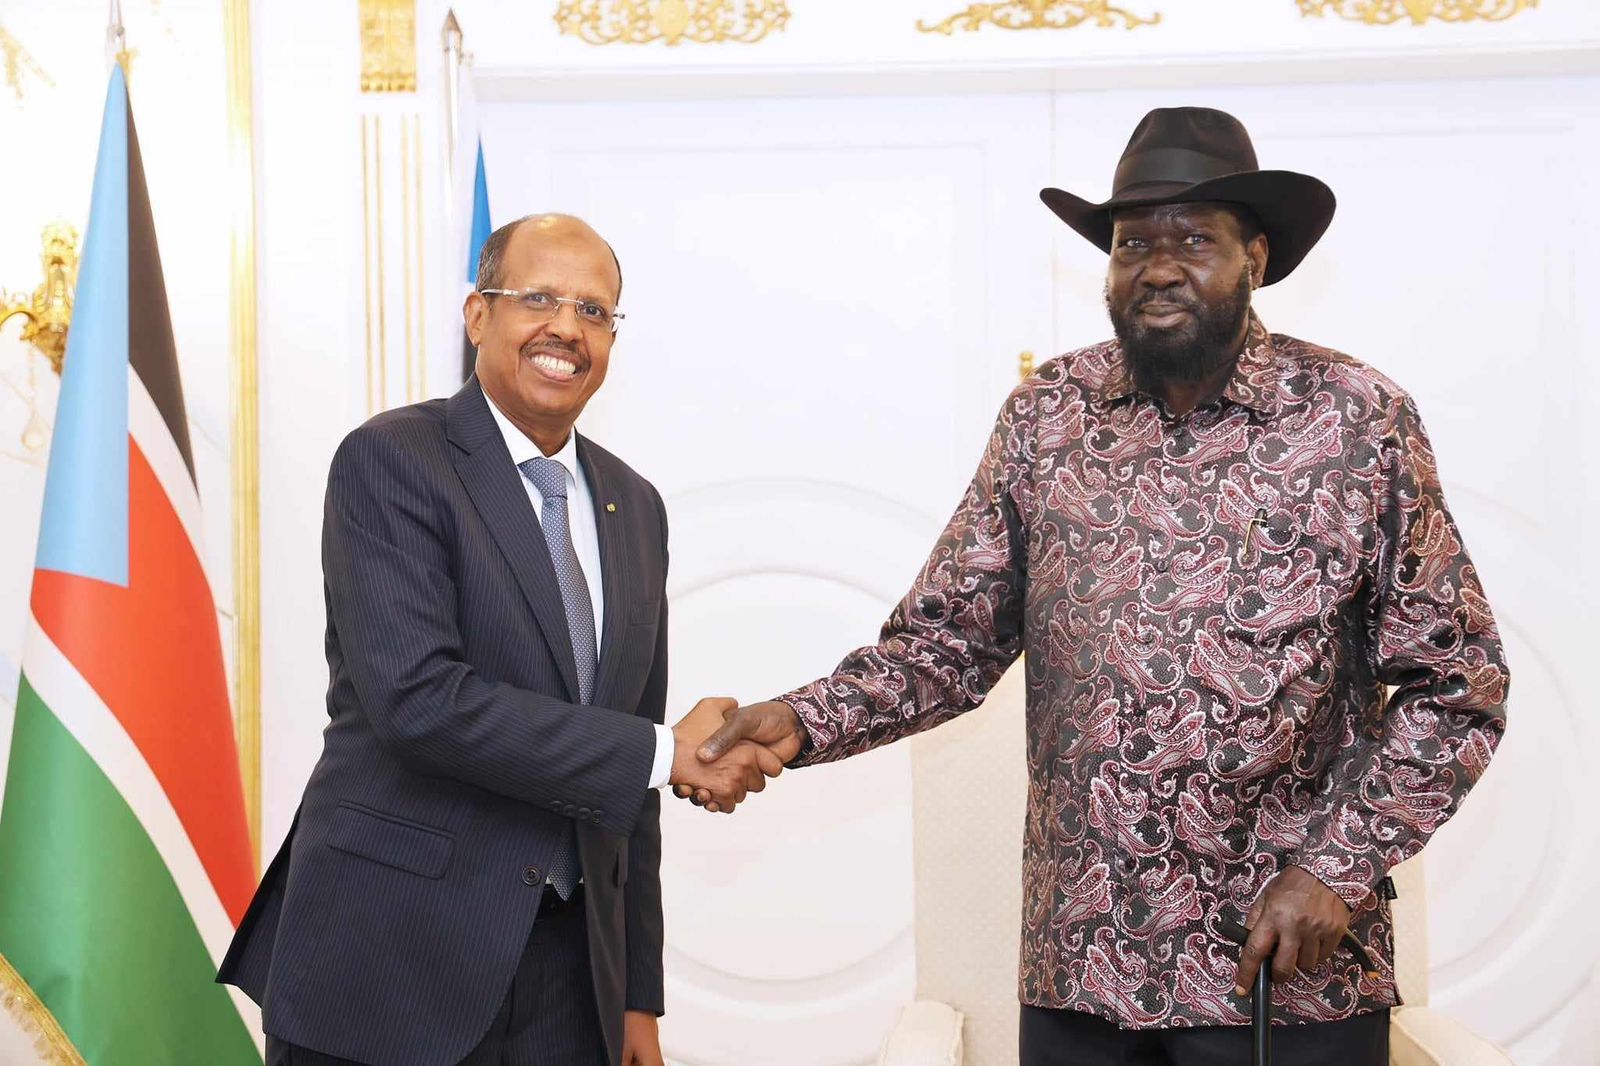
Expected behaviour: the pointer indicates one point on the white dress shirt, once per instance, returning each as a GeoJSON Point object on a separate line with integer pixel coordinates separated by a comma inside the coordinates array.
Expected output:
{"type": "Point", "coordinates": [585, 541]}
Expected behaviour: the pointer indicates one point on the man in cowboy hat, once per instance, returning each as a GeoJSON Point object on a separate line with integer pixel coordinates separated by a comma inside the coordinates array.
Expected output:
{"type": "Point", "coordinates": [1218, 546]}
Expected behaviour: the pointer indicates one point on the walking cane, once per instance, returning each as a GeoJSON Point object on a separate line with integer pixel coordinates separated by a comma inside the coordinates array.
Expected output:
{"type": "Point", "coordinates": [1261, 997]}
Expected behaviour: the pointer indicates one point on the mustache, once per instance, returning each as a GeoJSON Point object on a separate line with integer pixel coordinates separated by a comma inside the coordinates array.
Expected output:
{"type": "Point", "coordinates": [552, 347]}
{"type": "Point", "coordinates": [1188, 303]}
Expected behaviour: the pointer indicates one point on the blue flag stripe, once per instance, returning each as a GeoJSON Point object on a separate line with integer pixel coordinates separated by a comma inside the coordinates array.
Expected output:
{"type": "Point", "coordinates": [84, 528]}
{"type": "Point", "coordinates": [481, 227]}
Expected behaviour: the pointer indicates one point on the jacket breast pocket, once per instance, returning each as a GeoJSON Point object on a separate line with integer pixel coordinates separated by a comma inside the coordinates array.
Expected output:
{"type": "Point", "coordinates": [384, 838]}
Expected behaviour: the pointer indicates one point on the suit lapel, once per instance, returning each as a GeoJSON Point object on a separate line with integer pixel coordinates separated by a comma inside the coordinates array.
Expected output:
{"type": "Point", "coordinates": [616, 568]}
{"type": "Point", "coordinates": [496, 489]}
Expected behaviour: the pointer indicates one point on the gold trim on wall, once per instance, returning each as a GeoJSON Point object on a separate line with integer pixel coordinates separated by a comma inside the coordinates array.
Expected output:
{"type": "Point", "coordinates": [672, 21]}
{"type": "Point", "coordinates": [1039, 15]}
{"type": "Point", "coordinates": [420, 293]}
{"type": "Point", "coordinates": [246, 421]}
{"type": "Point", "coordinates": [406, 237]}
{"type": "Point", "coordinates": [388, 46]}
{"type": "Point", "coordinates": [1386, 12]}
{"type": "Point", "coordinates": [366, 254]}
{"type": "Point", "coordinates": [373, 278]}
{"type": "Point", "coordinates": [414, 289]}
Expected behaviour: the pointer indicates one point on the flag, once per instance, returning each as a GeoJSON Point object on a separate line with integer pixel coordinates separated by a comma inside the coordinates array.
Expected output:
{"type": "Point", "coordinates": [125, 864]}
{"type": "Point", "coordinates": [477, 235]}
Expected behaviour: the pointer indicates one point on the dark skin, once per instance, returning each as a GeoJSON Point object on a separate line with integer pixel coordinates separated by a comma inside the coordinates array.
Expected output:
{"type": "Point", "coordinates": [1167, 263]}
{"type": "Point", "coordinates": [1170, 258]}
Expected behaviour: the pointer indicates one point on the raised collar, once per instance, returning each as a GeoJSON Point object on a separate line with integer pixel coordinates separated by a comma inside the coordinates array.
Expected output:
{"type": "Point", "coordinates": [1253, 383]}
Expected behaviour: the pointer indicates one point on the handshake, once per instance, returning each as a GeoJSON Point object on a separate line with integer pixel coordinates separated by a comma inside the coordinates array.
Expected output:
{"type": "Point", "coordinates": [724, 752]}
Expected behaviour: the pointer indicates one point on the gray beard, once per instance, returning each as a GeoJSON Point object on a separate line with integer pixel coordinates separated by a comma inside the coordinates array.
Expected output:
{"type": "Point", "coordinates": [1187, 355]}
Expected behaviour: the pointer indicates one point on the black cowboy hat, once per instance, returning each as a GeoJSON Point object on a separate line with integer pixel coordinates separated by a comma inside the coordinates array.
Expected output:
{"type": "Point", "coordinates": [1193, 154]}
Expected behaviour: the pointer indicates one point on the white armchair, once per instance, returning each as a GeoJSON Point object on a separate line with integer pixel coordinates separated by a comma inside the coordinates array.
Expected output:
{"type": "Point", "coordinates": [969, 786]}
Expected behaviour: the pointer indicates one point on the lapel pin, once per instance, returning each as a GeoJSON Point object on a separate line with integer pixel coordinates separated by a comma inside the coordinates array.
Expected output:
{"type": "Point", "coordinates": [611, 508]}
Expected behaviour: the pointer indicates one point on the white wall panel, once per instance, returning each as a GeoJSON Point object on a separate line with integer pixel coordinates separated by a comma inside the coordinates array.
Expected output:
{"type": "Point", "coordinates": [825, 301]}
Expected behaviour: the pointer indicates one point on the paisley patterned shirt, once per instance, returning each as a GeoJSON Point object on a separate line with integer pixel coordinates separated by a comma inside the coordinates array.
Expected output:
{"type": "Point", "coordinates": [1212, 608]}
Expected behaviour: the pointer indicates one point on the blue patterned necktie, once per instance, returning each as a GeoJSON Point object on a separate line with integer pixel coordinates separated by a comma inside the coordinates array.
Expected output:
{"type": "Point", "coordinates": [550, 478]}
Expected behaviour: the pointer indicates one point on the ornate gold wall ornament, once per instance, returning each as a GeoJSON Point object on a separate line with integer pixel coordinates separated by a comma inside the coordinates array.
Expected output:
{"type": "Point", "coordinates": [1384, 12]}
{"type": "Point", "coordinates": [1040, 15]}
{"type": "Point", "coordinates": [388, 46]}
{"type": "Point", "coordinates": [673, 21]}
{"type": "Point", "coordinates": [47, 311]}
{"type": "Point", "coordinates": [19, 64]}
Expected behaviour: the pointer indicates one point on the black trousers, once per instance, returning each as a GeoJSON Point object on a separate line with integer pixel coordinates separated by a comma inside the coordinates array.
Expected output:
{"type": "Point", "coordinates": [1072, 1038]}
{"type": "Point", "coordinates": [548, 1015]}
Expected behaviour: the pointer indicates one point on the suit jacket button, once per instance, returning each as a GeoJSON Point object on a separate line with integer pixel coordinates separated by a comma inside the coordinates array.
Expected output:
{"type": "Point", "coordinates": [595, 818]}
{"type": "Point", "coordinates": [555, 805]}
{"type": "Point", "coordinates": [531, 876]}
{"type": "Point", "coordinates": [584, 812]}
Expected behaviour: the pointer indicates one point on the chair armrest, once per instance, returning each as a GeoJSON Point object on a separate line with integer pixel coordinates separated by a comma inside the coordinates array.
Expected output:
{"type": "Point", "coordinates": [1421, 1036]}
{"type": "Point", "coordinates": [926, 1034]}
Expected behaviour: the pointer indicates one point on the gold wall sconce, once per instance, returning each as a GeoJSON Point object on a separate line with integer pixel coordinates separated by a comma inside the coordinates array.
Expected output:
{"type": "Point", "coordinates": [1385, 12]}
{"type": "Point", "coordinates": [1040, 15]}
{"type": "Point", "coordinates": [47, 311]}
{"type": "Point", "coordinates": [673, 21]}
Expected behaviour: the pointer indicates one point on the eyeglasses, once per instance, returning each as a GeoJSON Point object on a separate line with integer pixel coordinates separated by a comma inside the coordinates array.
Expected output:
{"type": "Point", "coordinates": [544, 306]}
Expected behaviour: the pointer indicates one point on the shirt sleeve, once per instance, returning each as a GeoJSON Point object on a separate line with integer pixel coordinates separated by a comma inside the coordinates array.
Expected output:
{"type": "Point", "coordinates": [957, 629]}
{"type": "Point", "coordinates": [1432, 639]}
{"type": "Point", "coordinates": [661, 768]}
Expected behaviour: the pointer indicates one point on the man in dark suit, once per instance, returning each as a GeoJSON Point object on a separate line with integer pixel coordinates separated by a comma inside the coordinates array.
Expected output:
{"type": "Point", "coordinates": [474, 872]}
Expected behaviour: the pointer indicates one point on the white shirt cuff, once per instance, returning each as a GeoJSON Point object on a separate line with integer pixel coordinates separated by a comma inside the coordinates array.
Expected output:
{"type": "Point", "coordinates": [666, 747]}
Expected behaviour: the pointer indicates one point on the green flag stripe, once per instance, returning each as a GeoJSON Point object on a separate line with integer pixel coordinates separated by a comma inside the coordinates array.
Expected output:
{"type": "Point", "coordinates": [91, 918]}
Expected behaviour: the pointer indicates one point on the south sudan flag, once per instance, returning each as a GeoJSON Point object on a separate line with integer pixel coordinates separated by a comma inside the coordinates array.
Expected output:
{"type": "Point", "coordinates": [125, 864]}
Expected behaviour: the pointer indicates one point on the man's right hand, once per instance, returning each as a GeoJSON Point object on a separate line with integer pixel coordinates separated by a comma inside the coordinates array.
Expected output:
{"type": "Point", "coordinates": [773, 726]}
{"type": "Point", "coordinates": [738, 769]}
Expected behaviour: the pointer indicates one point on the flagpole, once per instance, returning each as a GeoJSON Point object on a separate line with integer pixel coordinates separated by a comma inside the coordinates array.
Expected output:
{"type": "Point", "coordinates": [454, 41]}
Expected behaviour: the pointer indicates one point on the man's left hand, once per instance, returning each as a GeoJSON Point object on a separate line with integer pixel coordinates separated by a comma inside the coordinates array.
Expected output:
{"type": "Point", "coordinates": [641, 1040]}
{"type": "Point", "coordinates": [1295, 924]}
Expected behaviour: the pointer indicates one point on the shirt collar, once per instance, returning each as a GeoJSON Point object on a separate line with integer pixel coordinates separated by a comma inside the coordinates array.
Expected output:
{"type": "Point", "coordinates": [522, 449]}
{"type": "Point", "coordinates": [1254, 382]}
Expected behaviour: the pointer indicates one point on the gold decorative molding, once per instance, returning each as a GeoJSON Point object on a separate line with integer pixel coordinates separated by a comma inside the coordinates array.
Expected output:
{"type": "Point", "coordinates": [373, 279]}
{"type": "Point", "coordinates": [242, 291]}
{"type": "Point", "coordinates": [1385, 12]}
{"type": "Point", "coordinates": [411, 227]}
{"type": "Point", "coordinates": [1040, 15]}
{"type": "Point", "coordinates": [388, 46]}
{"type": "Point", "coordinates": [47, 311]}
{"type": "Point", "coordinates": [1025, 366]}
{"type": "Point", "coordinates": [18, 64]}
{"type": "Point", "coordinates": [673, 21]}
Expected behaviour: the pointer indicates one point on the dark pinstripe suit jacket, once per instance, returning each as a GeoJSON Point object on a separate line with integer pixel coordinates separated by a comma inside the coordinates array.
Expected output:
{"type": "Point", "coordinates": [388, 926]}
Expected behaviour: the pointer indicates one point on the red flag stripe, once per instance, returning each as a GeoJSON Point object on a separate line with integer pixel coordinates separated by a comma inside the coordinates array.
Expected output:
{"type": "Point", "coordinates": [148, 645]}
